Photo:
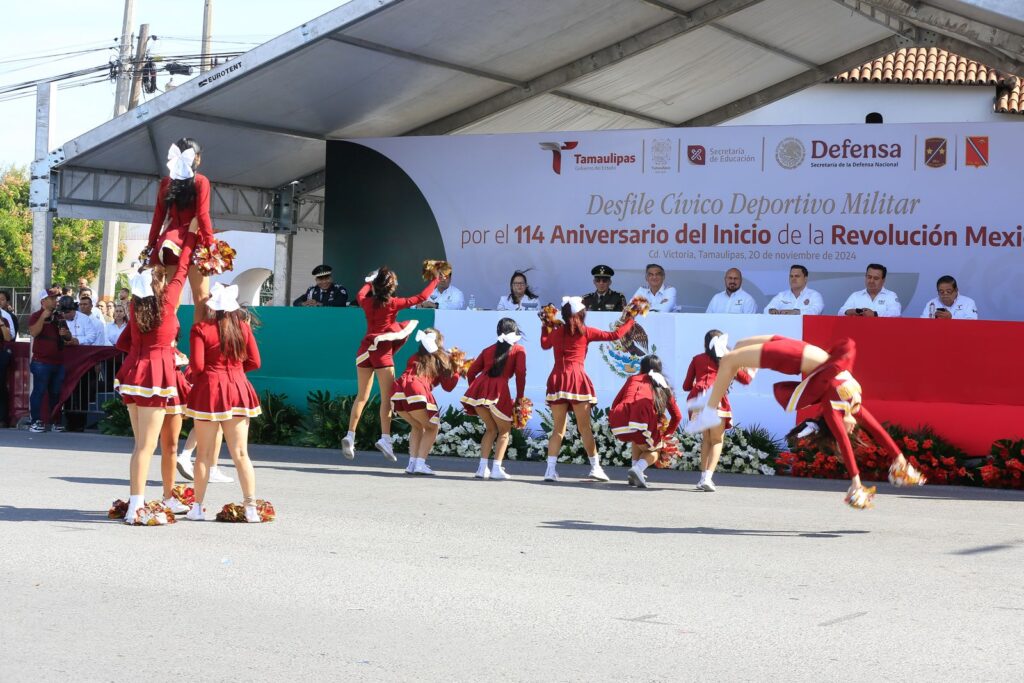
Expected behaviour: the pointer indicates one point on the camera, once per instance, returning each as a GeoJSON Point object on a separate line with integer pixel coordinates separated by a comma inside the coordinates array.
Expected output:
{"type": "Point", "coordinates": [859, 310]}
{"type": "Point", "coordinates": [65, 304]}
{"type": "Point", "coordinates": [943, 309]}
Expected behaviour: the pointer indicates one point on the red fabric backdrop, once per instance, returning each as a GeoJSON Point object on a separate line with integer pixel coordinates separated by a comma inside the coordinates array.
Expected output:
{"type": "Point", "coordinates": [961, 377]}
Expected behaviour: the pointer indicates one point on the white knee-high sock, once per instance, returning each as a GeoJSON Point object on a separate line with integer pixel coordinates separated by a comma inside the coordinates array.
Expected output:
{"type": "Point", "coordinates": [640, 465]}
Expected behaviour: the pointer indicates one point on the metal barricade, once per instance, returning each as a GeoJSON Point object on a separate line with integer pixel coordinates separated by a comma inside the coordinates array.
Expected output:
{"type": "Point", "coordinates": [84, 407]}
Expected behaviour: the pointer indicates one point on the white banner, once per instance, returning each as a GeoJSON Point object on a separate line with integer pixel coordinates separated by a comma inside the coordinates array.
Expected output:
{"type": "Point", "coordinates": [924, 200]}
{"type": "Point", "coordinates": [674, 338]}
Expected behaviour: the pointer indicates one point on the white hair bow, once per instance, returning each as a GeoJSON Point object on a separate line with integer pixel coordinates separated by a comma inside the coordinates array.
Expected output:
{"type": "Point", "coordinates": [509, 337]}
{"type": "Point", "coordinates": [371, 277]}
{"type": "Point", "coordinates": [575, 303]}
{"type": "Point", "coordinates": [142, 284]}
{"type": "Point", "coordinates": [720, 345]}
{"type": "Point", "coordinates": [428, 339]}
{"type": "Point", "coordinates": [223, 298]}
{"type": "Point", "coordinates": [180, 163]}
{"type": "Point", "coordinates": [659, 379]}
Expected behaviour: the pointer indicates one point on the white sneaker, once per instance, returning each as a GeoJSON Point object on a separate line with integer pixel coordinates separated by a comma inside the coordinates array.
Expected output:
{"type": "Point", "coordinates": [411, 466]}
{"type": "Point", "coordinates": [384, 446]}
{"type": "Point", "coordinates": [597, 472]}
{"type": "Point", "coordinates": [483, 472]}
{"type": "Point", "coordinates": [637, 478]}
{"type": "Point", "coordinates": [499, 473]}
{"type": "Point", "coordinates": [705, 419]}
{"type": "Point", "coordinates": [177, 507]}
{"type": "Point", "coordinates": [251, 515]}
{"type": "Point", "coordinates": [197, 513]}
{"type": "Point", "coordinates": [218, 477]}
{"type": "Point", "coordinates": [185, 467]}
{"type": "Point", "coordinates": [423, 468]}
{"type": "Point", "coordinates": [709, 486]}
{"type": "Point", "coordinates": [348, 448]}
{"type": "Point", "coordinates": [551, 474]}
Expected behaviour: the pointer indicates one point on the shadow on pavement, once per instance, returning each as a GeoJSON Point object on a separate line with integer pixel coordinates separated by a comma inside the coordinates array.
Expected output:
{"type": "Point", "coordinates": [578, 525]}
{"type": "Point", "coordinates": [9, 513]}
{"type": "Point", "coordinates": [108, 481]}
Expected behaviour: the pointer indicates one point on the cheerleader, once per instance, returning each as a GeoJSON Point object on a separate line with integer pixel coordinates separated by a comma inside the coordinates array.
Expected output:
{"type": "Point", "coordinates": [223, 350]}
{"type": "Point", "coordinates": [375, 356]}
{"type": "Point", "coordinates": [637, 413]}
{"type": "Point", "coordinates": [413, 397]}
{"type": "Point", "coordinates": [488, 397]}
{"type": "Point", "coordinates": [699, 378]}
{"type": "Point", "coordinates": [829, 391]}
{"type": "Point", "coordinates": [184, 195]}
{"type": "Point", "coordinates": [568, 384]}
{"type": "Point", "coordinates": [147, 378]}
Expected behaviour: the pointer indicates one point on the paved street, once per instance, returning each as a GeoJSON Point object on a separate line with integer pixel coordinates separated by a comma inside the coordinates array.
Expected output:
{"type": "Point", "coordinates": [372, 575]}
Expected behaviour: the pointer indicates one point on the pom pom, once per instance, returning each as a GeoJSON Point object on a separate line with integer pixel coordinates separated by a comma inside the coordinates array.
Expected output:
{"type": "Point", "coordinates": [233, 512]}
{"type": "Point", "coordinates": [522, 413]}
{"type": "Point", "coordinates": [861, 498]}
{"type": "Point", "coordinates": [118, 509]}
{"type": "Point", "coordinates": [215, 259]}
{"type": "Point", "coordinates": [184, 494]}
{"type": "Point", "coordinates": [144, 257]}
{"type": "Point", "coordinates": [460, 363]}
{"type": "Point", "coordinates": [905, 475]}
{"type": "Point", "coordinates": [549, 316]}
{"type": "Point", "coordinates": [638, 305]}
{"type": "Point", "coordinates": [435, 269]}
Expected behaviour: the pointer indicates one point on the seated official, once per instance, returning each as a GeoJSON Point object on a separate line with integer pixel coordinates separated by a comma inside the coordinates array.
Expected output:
{"type": "Point", "coordinates": [799, 299]}
{"type": "Point", "coordinates": [950, 303]}
{"type": "Point", "coordinates": [662, 298]}
{"type": "Point", "coordinates": [324, 292]}
{"type": "Point", "coordinates": [734, 299]}
{"type": "Point", "coordinates": [604, 298]}
{"type": "Point", "coordinates": [446, 297]}
{"type": "Point", "coordinates": [874, 301]}
{"type": "Point", "coordinates": [520, 297]}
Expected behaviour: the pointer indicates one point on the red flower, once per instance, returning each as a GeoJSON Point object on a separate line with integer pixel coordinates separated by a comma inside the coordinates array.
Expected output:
{"type": "Point", "coordinates": [910, 443]}
{"type": "Point", "coordinates": [1015, 464]}
{"type": "Point", "coordinates": [927, 444]}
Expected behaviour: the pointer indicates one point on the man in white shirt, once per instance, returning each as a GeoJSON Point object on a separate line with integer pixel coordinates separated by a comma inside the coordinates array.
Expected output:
{"type": "Point", "coordinates": [950, 303]}
{"type": "Point", "coordinates": [874, 301]}
{"type": "Point", "coordinates": [93, 313]}
{"type": "Point", "coordinates": [83, 331]}
{"type": "Point", "coordinates": [662, 298]}
{"type": "Point", "coordinates": [733, 299]}
{"type": "Point", "coordinates": [799, 299]}
{"type": "Point", "coordinates": [86, 309]}
{"type": "Point", "coordinates": [446, 297]}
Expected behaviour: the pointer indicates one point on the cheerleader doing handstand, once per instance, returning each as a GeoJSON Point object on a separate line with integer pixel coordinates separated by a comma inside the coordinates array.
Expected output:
{"type": "Point", "coordinates": [829, 391]}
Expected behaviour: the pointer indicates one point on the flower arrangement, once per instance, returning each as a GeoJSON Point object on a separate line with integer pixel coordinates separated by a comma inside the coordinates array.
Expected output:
{"type": "Point", "coordinates": [1004, 467]}
{"type": "Point", "coordinates": [153, 513]}
{"type": "Point", "coordinates": [435, 269]}
{"type": "Point", "coordinates": [186, 495]}
{"type": "Point", "coordinates": [522, 414]}
{"type": "Point", "coordinates": [214, 259]}
{"type": "Point", "coordinates": [549, 317]}
{"type": "Point", "coordinates": [233, 512]}
{"type": "Point", "coordinates": [638, 305]}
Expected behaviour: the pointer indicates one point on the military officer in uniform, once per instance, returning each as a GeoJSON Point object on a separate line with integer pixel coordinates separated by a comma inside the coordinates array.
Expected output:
{"type": "Point", "coordinates": [604, 298]}
{"type": "Point", "coordinates": [324, 292]}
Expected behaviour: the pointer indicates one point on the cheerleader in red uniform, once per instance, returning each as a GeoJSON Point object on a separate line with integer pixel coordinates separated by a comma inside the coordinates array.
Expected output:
{"type": "Point", "coordinates": [183, 195]}
{"type": "Point", "coordinates": [637, 413]}
{"type": "Point", "coordinates": [375, 357]}
{"type": "Point", "coordinates": [413, 397]}
{"type": "Point", "coordinates": [147, 378]}
{"type": "Point", "coordinates": [222, 399]}
{"type": "Point", "coordinates": [699, 378]}
{"type": "Point", "coordinates": [829, 391]}
{"type": "Point", "coordinates": [488, 396]}
{"type": "Point", "coordinates": [568, 384]}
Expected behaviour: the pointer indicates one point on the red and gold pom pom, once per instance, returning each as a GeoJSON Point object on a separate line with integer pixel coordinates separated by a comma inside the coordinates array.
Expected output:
{"type": "Point", "coordinates": [905, 475]}
{"type": "Point", "coordinates": [861, 498]}
{"type": "Point", "coordinates": [144, 256]}
{"type": "Point", "coordinates": [549, 316]}
{"type": "Point", "coordinates": [522, 413]}
{"type": "Point", "coordinates": [460, 363]}
{"type": "Point", "coordinates": [118, 509]}
{"type": "Point", "coordinates": [435, 269]}
{"type": "Point", "coordinates": [184, 494]}
{"type": "Point", "coordinates": [215, 259]}
{"type": "Point", "coordinates": [638, 305]}
{"type": "Point", "coordinates": [153, 513]}
{"type": "Point", "coordinates": [233, 512]}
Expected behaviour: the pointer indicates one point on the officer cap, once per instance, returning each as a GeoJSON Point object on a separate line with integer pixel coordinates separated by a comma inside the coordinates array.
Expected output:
{"type": "Point", "coordinates": [322, 270]}
{"type": "Point", "coordinates": [602, 271]}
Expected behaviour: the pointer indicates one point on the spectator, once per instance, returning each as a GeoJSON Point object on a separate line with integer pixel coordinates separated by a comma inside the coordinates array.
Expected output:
{"type": "Point", "coordinates": [799, 299]}
{"type": "Point", "coordinates": [7, 312]}
{"type": "Point", "coordinates": [6, 336]}
{"type": "Point", "coordinates": [324, 292]}
{"type": "Point", "coordinates": [66, 291]}
{"type": "Point", "coordinates": [733, 299]}
{"type": "Point", "coordinates": [662, 298]}
{"type": "Point", "coordinates": [85, 309]}
{"type": "Point", "coordinates": [446, 297]}
{"type": "Point", "coordinates": [93, 312]}
{"type": "Point", "coordinates": [106, 310]}
{"type": "Point", "coordinates": [79, 326]}
{"type": "Point", "coordinates": [604, 298]}
{"type": "Point", "coordinates": [47, 358]}
{"type": "Point", "coordinates": [520, 297]}
{"type": "Point", "coordinates": [950, 303]}
{"type": "Point", "coordinates": [874, 300]}
{"type": "Point", "coordinates": [124, 297]}
{"type": "Point", "coordinates": [114, 329]}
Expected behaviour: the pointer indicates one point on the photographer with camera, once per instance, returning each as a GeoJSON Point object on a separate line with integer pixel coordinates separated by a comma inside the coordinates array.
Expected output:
{"type": "Point", "coordinates": [49, 333]}
{"type": "Point", "coordinates": [84, 331]}
{"type": "Point", "coordinates": [950, 303]}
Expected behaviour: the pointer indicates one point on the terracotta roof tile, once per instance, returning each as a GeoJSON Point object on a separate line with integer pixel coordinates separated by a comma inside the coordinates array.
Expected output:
{"type": "Point", "coordinates": [938, 67]}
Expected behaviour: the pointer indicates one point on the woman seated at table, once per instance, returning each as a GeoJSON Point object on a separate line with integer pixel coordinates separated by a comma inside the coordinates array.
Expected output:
{"type": "Point", "coordinates": [520, 297]}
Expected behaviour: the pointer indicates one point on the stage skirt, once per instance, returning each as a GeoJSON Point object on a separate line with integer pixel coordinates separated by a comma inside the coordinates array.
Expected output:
{"type": "Point", "coordinates": [412, 392]}
{"type": "Point", "coordinates": [219, 396]}
{"type": "Point", "coordinates": [491, 393]}
{"type": "Point", "coordinates": [636, 422]}
{"type": "Point", "coordinates": [570, 384]}
{"type": "Point", "coordinates": [377, 349]}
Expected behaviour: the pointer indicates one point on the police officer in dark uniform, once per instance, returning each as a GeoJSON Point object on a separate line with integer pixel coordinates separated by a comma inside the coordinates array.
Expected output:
{"type": "Point", "coordinates": [604, 298]}
{"type": "Point", "coordinates": [324, 292]}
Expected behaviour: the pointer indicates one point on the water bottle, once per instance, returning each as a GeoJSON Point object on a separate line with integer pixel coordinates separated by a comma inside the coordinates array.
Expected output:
{"type": "Point", "coordinates": [931, 309]}
{"type": "Point", "coordinates": [472, 303]}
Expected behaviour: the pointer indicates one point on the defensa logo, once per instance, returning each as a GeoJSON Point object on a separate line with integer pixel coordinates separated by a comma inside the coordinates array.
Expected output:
{"type": "Point", "coordinates": [556, 149]}
{"type": "Point", "coordinates": [848, 149]}
{"type": "Point", "coordinates": [790, 153]}
{"type": "Point", "coordinates": [220, 74]}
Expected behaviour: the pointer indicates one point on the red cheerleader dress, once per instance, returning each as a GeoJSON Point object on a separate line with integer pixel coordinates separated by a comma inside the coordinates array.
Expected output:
{"type": "Point", "coordinates": [568, 381]}
{"type": "Point", "coordinates": [220, 390]}
{"type": "Point", "coordinates": [492, 392]}
{"type": "Point", "coordinates": [415, 392]}
{"type": "Point", "coordinates": [176, 405]}
{"type": "Point", "coordinates": [384, 335]}
{"type": "Point", "coordinates": [148, 376]}
{"type": "Point", "coordinates": [166, 242]}
{"type": "Point", "coordinates": [701, 375]}
{"type": "Point", "coordinates": [633, 417]}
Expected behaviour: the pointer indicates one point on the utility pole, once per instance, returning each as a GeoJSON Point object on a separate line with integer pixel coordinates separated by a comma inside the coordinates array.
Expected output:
{"type": "Point", "coordinates": [39, 192]}
{"type": "Point", "coordinates": [140, 57]}
{"type": "Point", "coordinates": [205, 63]}
{"type": "Point", "coordinates": [124, 76]}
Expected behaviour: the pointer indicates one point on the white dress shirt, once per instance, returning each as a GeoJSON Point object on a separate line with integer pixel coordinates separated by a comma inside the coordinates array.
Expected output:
{"type": "Point", "coordinates": [738, 302]}
{"type": "Point", "coordinates": [86, 330]}
{"type": "Point", "coordinates": [113, 332]}
{"type": "Point", "coordinates": [450, 299]}
{"type": "Point", "coordinates": [525, 304]}
{"type": "Point", "coordinates": [97, 316]}
{"type": "Point", "coordinates": [963, 308]}
{"type": "Point", "coordinates": [664, 301]}
{"type": "Point", "coordinates": [886, 304]}
{"type": "Point", "coordinates": [809, 302]}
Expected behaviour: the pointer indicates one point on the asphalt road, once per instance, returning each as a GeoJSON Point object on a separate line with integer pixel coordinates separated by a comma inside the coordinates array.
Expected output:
{"type": "Point", "coordinates": [372, 575]}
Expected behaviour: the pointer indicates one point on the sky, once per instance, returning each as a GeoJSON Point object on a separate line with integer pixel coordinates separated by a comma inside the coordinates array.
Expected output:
{"type": "Point", "coordinates": [43, 28]}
